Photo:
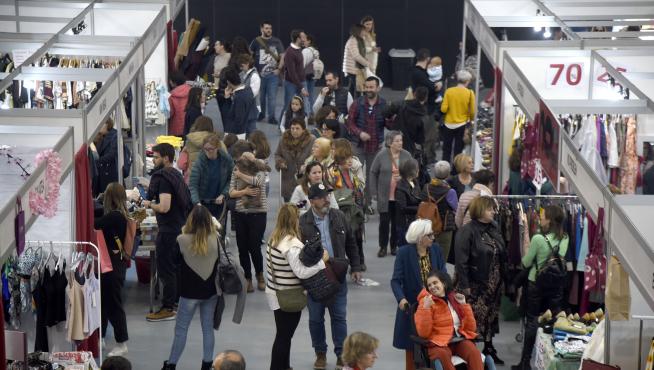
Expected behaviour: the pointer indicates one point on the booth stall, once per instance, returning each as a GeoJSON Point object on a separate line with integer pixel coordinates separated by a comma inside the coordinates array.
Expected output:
{"type": "Point", "coordinates": [556, 85]}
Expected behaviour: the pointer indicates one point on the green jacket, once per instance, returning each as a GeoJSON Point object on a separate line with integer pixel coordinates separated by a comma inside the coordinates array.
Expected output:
{"type": "Point", "coordinates": [199, 181]}
{"type": "Point", "coordinates": [540, 252]}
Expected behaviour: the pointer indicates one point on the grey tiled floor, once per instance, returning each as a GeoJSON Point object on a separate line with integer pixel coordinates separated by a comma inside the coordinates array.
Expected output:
{"type": "Point", "coordinates": [370, 309]}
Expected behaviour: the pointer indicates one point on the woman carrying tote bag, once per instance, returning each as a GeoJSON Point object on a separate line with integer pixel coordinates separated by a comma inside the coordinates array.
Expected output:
{"type": "Point", "coordinates": [283, 287]}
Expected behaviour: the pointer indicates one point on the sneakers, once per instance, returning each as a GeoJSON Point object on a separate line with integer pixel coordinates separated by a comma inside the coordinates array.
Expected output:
{"type": "Point", "coordinates": [261, 283]}
{"type": "Point", "coordinates": [339, 363]}
{"type": "Point", "coordinates": [321, 361]}
{"type": "Point", "coordinates": [119, 350]}
{"type": "Point", "coordinates": [164, 314]}
{"type": "Point", "coordinates": [370, 210]}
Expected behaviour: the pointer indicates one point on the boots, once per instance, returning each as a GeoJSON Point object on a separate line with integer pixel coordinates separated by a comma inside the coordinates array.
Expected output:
{"type": "Point", "coordinates": [321, 361]}
{"type": "Point", "coordinates": [489, 350]}
{"type": "Point", "coordinates": [167, 366]}
{"type": "Point", "coordinates": [206, 365]}
{"type": "Point", "coordinates": [382, 252]}
{"type": "Point", "coordinates": [261, 283]}
{"type": "Point", "coordinates": [393, 251]}
{"type": "Point", "coordinates": [250, 288]}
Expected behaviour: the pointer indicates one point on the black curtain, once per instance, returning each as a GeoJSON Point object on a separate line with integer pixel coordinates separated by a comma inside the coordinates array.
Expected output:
{"type": "Point", "coordinates": [415, 24]}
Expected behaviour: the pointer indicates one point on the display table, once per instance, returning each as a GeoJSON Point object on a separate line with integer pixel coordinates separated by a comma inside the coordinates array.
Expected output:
{"type": "Point", "coordinates": [149, 232]}
{"type": "Point", "coordinates": [545, 358]}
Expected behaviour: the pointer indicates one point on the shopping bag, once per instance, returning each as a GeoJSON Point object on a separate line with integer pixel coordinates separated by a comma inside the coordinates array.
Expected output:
{"type": "Point", "coordinates": [130, 236]}
{"type": "Point", "coordinates": [595, 271]}
{"type": "Point", "coordinates": [105, 261]}
{"type": "Point", "coordinates": [618, 297]}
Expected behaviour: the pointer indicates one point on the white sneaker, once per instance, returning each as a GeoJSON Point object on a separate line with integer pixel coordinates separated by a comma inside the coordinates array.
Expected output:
{"type": "Point", "coordinates": [119, 350]}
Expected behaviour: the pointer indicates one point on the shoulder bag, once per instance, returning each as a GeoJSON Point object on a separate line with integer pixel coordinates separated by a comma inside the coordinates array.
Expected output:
{"type": "Point", "coordinates": [265, 47]}
{"type": "Point", "coordinates": [227, 274]}
{"type": "Point", "coordinates": [290, 300]}
{"type": "Point", "coordinates": [19, 227]}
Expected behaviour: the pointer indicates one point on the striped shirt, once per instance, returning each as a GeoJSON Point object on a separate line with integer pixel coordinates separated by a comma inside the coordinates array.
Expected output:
{"type": "Point", "coordinates": [259, 181]}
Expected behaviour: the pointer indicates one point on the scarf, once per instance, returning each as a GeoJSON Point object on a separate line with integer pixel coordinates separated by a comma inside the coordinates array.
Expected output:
{"type": "Point", "coordinates": [201, 265]}
{"type": "Point", "coordinates": [295, 145]}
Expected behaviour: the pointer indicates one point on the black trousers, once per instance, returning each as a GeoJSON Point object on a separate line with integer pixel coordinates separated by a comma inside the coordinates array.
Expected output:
{"type": "Point", "coordinates": [168, 257]}
{"type": "Point", "coordinates": [387, 221]}
{"type": "Point", "coordinates": [112, 302]}
{"type": "Point", "coordinates": [249, 233]}
{"type": "Point", "coordinates": [351, 85]}
{"type": "Point", "coordinates": [286, 323]}
{"type": "Point", "coordinates": [538, 302]}
{"type": "Point", "coordinates": [450, 137]}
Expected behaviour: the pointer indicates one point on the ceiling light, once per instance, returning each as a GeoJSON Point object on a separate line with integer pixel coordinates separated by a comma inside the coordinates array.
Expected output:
{"type": "Point", "coordinates": [547, 34]}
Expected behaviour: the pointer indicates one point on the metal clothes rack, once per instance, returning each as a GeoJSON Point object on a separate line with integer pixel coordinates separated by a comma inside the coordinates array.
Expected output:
{"type": "Point", "coordinates": [98, 269]}
{"type": "Point", "coordinates": [569, 197]}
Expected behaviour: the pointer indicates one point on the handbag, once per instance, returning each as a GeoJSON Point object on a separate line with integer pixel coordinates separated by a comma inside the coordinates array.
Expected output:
{"type": "Point", "coordinates": [595, 271]}
{"type": "Point", "coordinates": [290, 300]}
{"type": "Point", "coordinates": [105, 260]}
{"type": "Point", "coordinates": [587, 364]}
{"type": "Point", "coordinates": [428, 210]}
{"type": "Point", "coordinates": [130, 238]}
{"type": "Point", "coordinates": [227, 275]}
{"type": "Point", "coordinates": [19, 227]}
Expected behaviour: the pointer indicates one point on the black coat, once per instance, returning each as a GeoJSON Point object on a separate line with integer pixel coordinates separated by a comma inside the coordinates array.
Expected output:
{"type": "Point", "coordinates": [343, 240]}
{"type": "Point", "coordinates": [473, 257]}
{"type": "Point", "coordinates": [420, 77]}
{"type": "Point", "coordinates": [410, 118]}
{"type": "Point", "coordinates": [107, 162]}
{"type": "Point", "coordinates": [648, 179]}
{"type": "Point", "coordinates": [192, 113]}
{"type": "Point", "coordinates": [407, 200]}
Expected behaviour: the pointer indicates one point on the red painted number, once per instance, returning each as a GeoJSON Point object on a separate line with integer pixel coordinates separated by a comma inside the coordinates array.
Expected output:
{"type": "Point", "coordinates": [559, 70]}
{"type": "Point", "coordinates": [572, 74]}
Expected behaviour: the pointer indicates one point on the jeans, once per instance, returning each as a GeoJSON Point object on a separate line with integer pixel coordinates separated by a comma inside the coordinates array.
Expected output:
{"type": "Point", "coordinates": [366, 160]}
{"type": "Point", "coordinates": [308, 101]}
{"type": "Point", "coordinates": [111, 303]}
{"type": "Point", "coordinates": [538, 301]}
{"type": "Point", "coordinates": [268, 94]}
{"type": "Point", "coordinates": [386, 226]}
{"type": "Point", "coordinates": [168, 257]}
{"type": "Point", "coordinates": [290, 90]}
{"type": "Point", "coordinates": [286, 323]}
{"type": "Point", "coordinates": [185, 314]}
{"type": "Point", "coordinates": [337, 313]}
{"type": "Point", "coordinates": [451, 136]}
{"type": "Point", "coordinates": [250, 228]}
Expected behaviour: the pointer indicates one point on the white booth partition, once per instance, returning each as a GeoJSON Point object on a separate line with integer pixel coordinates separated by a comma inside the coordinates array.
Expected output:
{"type": "Point", "coordinates": [25, 143]}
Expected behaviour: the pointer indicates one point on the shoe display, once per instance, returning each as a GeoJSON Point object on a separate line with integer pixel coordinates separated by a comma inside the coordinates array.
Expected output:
{"type": "Point", "coordinates": [164, 314]}
{"type": "Point", "coordinates": [545, 317]}
{"type": "Point", "coordinates": [321, 361]}
{"type": "Point", "coordinates": [382, 252]}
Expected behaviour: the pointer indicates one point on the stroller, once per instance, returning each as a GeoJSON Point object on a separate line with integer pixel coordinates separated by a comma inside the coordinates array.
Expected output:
{"type": "Point", "coordinates": [421, 346]}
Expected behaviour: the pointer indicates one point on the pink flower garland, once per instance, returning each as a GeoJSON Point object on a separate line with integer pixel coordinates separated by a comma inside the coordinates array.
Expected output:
{"type": "Point", "coordinates": [47, 206]}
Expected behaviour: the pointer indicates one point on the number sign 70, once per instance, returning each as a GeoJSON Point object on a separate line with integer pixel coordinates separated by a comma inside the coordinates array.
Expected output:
{"type": "Point", "coordinates": [572, 74]}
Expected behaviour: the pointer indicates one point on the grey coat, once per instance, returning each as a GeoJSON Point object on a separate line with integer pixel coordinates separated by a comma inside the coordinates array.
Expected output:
{"type": "Point", "coordinates": [241, 297]}
{"type": "Point", "coordinates": [381, 171]}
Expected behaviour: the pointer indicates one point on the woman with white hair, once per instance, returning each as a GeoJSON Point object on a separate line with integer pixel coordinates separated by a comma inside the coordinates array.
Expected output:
{"type": "Point", "coordinates": [458, 108]}
{"type": "Point", "coordinates": [413, 264]}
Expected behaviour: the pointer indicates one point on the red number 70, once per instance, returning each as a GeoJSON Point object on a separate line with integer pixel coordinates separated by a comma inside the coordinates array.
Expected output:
{"type": "Point", "coordinates": [572, 73]}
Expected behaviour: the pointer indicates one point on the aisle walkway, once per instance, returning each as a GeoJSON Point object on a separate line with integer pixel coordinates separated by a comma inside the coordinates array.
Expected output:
{"type": "Point", "coordinates": [370, 309]}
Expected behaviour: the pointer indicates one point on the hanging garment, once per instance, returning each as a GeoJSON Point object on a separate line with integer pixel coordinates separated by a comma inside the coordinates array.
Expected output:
{"type": "Point", "coordinates": [151, 102]}
{"type": "Point", "coordinates": [649, 364]}
{"type": "Point", "coordinates": [629, 162]}
{"type": "Point", "coordinates": [40, 299]}
{"type": "Point", "coordinates": [589, 148]}
{"type": "Point", "coordinates": [614, 157]}
{"type": "Point", "coordinates": [91, 304]}
{"type": "Point", "coordinates": [75, 321]}
{"type": "Point", "coordinates": [164, 105]}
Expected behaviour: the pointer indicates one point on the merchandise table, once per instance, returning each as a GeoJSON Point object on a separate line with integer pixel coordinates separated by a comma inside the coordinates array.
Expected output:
{"type": "Point", "coordinates": [544, 356]}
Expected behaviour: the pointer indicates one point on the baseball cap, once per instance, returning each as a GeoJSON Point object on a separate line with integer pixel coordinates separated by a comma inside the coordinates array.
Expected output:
{"type": "Point", "coordinates": [318, 191]}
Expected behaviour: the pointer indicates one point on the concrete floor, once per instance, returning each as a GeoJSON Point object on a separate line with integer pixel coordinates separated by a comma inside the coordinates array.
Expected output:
{"type": "Point", "coordinates": [370, 309]}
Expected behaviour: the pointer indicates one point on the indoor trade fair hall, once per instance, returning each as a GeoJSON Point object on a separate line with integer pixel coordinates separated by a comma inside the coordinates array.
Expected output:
{"type": "Point", "coordinates": [348, 185]}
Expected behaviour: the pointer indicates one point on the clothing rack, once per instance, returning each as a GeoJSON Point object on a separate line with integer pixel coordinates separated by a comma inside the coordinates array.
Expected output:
{"type": "Point", "coordinates": [74, 245]}
{"type": "Point", "coordinates": [565, 197]}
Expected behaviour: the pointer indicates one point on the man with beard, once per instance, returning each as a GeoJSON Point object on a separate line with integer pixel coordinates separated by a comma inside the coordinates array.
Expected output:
{"type": "Point", "coordinates": [365, 125]}
{"type": "Point", "coordinates": [339, 242]}
{"type": "Point", "coordinates": [333, 94]}
{"type": "Point", "coordinates": [170, 199]}
{"type": "Point", "coordinates": [268, 59]}
{"type": "Point", "coordinates": [294, 77]}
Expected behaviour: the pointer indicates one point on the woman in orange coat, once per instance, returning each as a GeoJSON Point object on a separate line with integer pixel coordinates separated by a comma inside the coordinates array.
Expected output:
{"type": "Point", "coordinates": [444, 318]}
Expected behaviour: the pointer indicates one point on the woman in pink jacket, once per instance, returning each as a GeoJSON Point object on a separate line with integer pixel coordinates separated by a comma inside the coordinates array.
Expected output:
{"type": "Point", "coordinates": [177, 100]}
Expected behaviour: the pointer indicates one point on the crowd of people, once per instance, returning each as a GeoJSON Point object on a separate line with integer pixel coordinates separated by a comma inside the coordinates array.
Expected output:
{"type": "Point", "coordinates": [362, 151]}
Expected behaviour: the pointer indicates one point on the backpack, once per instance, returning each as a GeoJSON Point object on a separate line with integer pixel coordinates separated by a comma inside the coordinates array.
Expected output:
{"type": "Point", "coordinates": [127, 161]}
{"type": "Point", "coordinates": [318, 68]}
{"type": "Point", "coordinates": [346, 203]}
{"type": "Point", "coordinates": [428, 209]}
{"type": "Point", "coordinates": [552, 273]}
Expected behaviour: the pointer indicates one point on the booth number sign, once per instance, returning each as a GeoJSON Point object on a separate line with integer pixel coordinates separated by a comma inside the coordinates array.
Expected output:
{"type": "Point", "coordinates": [559, 74]}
